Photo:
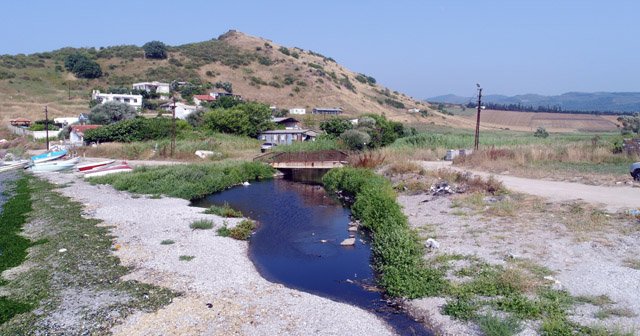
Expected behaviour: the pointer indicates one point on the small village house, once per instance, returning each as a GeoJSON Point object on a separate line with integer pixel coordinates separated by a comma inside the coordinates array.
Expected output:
{"type": "Point", "coordinates": [130, 99]}
{"type": "Point", "coordinates": [182, 109]}
{"type": "Point", "coordinates": [149, 86]}
{"type": "Point", "coordinates": [76, 136]}
{"type": "Point", "coordinates": [287, 122]}
{"type": "Point", "coordinates": [199, 99]}
{"type": "Point", "coordinates": [297, 110]}
{"type": "Point", "coordinates": [287, 136]}
{"type": "Point", "coordinates": [216, 95]}
{"type": "Point", "coordinates": [327, 110]}
{"type": "Point", "coordinates": [20, 122]}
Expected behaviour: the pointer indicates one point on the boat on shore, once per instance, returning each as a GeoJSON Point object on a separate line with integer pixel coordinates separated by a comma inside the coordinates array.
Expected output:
{"type": "Point", "coordinates": [49, 156]}
{"type": "Point", "coordinates": [53, 166]}
{"type": "Point", "coordinates": [94, 165]}
{"type": "Point", "coordinates": [106, 170]}
{"type": "Point", "coordinates": [11, 165]}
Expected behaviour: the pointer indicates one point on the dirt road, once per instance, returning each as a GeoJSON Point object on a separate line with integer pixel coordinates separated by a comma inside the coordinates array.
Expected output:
{"type": "Point", "coordinates": [613, 199]}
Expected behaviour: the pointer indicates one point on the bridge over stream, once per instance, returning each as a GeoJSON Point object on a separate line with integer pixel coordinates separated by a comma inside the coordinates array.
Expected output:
{"type": "Point", "coordinates": [305, 166]}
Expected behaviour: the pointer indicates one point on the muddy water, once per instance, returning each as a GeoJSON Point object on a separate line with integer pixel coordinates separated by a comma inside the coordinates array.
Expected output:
{"type": "Point", "coordinates": [298, 244]}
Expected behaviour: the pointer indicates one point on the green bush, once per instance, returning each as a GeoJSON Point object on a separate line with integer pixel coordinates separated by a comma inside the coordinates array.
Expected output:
{"type": "Point", "coordinates": [245, 119]}
{"type": "Point", "coordinates": [82, 66]}
{"type": "Point", "coordinates": [541, 132]}
{"type": "Point", "coordinates": [284, 50]}
{"type": "Point", "coordinates": [4, 74]}
{"type": "Point", "coordinates": [189, 181]}
{"type": "Point", "coordinates": [394, 103]}
{"type": "Point", "coordinates": [397, 252]}
{"type": "Point", "coordinates": [110, 112]}
{"type": "Point", "coordinates": [138, 129]}
{"type": "Point", "coordinates": [242, 231]}
{"type": "Point", "coordinates": [201, 224]}
{"type": "Point", "coordinates": [223, 211]}
{"type": "Point", "coordinates": [354, 139]}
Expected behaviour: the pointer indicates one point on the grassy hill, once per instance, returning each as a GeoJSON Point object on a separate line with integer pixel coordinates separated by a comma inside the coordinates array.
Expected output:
{"type": "Point", "coordinates": [258, 68]}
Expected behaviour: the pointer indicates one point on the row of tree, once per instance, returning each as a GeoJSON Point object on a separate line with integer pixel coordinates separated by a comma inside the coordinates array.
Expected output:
{"type": "Point", "coordinates": [540, 108]}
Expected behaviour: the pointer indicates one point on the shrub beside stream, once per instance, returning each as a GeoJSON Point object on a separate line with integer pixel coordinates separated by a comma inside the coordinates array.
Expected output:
{"type": "Point", "coordinates": [398, 254]}
{"type": "Point", "coordinates": [190, 181]}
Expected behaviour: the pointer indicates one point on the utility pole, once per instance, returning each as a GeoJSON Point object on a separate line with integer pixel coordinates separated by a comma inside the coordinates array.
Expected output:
{"type": "Point", "coordinates": [173, 126]}
{"type": "Point", "coordinates": [477, 138]}
{"type": "Point", "coordinates": [46, 125]}
{"type": "Point", "coordinates": [69, 88]}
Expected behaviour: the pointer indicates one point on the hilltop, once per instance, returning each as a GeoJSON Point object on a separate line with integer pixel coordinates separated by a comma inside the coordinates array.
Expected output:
{"type": "Point", "coordinates": [258, 69]}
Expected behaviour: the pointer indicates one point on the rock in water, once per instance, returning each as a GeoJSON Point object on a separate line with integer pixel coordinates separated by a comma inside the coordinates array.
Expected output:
{"type": "Point", "coordinates": [348, 242]}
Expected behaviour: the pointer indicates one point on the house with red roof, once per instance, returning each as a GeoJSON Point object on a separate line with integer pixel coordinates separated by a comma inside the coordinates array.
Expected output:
{"type": "Point", "coordinates": [199, 99]}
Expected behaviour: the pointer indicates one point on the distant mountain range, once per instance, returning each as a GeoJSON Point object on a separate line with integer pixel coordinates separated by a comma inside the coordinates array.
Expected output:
{"type": "Point", "coordinates": [570, 101]}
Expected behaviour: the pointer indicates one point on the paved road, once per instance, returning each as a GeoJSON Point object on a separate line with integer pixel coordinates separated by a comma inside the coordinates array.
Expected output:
{"type": "Point", "coordinates": [611, 198]}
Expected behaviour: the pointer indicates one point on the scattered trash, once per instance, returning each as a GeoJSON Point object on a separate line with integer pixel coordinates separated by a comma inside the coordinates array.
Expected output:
{"type": "Point", "coordinates": [441, 188]}
{"type": "Point", "coordinates": [323, 240]}
{"type": "Point", "coordinates": [432, 244]}
{"type": "Point", "coordinates": [209, 305]}
{"type": "Point", "coordinates": [62, 250]}
{"type": "Point", "coordinates": [203, 154]}
{"type": "Point", "coordinates": [246, 183]}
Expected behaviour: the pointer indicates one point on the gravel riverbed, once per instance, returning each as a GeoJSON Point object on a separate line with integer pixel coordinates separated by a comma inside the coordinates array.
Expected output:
{"type": "Point", "coordinates": [221, 291]}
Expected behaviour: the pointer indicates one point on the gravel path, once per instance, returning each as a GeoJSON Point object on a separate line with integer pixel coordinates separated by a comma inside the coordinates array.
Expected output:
{"type": "Point", "coordinates": [222, 292]}
{"type": "Point", "coordinates": [613, 199]}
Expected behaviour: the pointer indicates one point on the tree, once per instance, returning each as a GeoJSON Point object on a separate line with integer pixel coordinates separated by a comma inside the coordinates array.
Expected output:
{"type": "Point", "coordinates": [355, 140]}
{"type": "Point", "coordinates": [82, 66]}
{"type": "Point", "coordinates": [155, 49]}
{"type": "Point", "coordinates": [541, 132]}
{"type": "Point", "coordinates": [630, 124]}
{"type": "Point", "coordinates": [245, 119]}
{"type": "Point", "coordinates": [110, 112]}
{"type": "Point", "coordinates": [335, 127]}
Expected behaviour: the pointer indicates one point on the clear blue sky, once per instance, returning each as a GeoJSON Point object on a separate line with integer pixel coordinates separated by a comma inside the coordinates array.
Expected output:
{"type": "Point", "coordinates": [423, 48]}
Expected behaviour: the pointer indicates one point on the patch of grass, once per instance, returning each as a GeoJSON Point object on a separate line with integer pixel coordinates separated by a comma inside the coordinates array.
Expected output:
{"type": "Point", "coordinates": [461, 308]}
{"type": "Point", "coordinates": [503, 208]}
{"type": "Point", "coordinates": [10, 308]}
{"type": "Point", "coordinates": [190, 181]}
{"type": "Point", "coordinates": [88, 267]}
{"type": "Point", "coordinates": [202, 224]}
{"type": "Point", "coordinates": [632, 263]}
{"type": "Point", "coordinates": [520, 306]}
{"type": "Point", "coordinates": [186, 257]}
{"type": "Point", "coordinates": [167, 242]}
{"type": "Point", "coordinates": [596, 300]}
{"type": "Point", "coordinates": [494, 326]}
{"type": "Point", "coordinates": [404, 167]}
{"type": "Point", "coordinates": [531, 267]}
{"type": "Point", "coordinates": [13, 246]}
{"type": "Point", "coordinates": [223, 211]}
{"type": "Point", "coordinates": [242, 231]}
{"type": "Point", "coordinates": [619, 312]}
{"type": "Point", "coordinates": [554, 326]}
{"type": "Point", "coordinates": [155, 196]}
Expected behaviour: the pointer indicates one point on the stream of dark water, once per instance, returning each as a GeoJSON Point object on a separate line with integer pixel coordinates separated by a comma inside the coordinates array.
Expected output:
{"type": "Point", "coordinates": [298, 244]}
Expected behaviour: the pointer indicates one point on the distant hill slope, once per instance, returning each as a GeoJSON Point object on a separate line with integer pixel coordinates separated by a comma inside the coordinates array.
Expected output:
{"type": "Point", "coordinates": [571, 101]}
{"type": "Point", "coordinates": [258, 69]}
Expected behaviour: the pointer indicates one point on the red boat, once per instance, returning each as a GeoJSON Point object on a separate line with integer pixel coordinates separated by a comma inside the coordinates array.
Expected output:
{"type": "Point", "coordinates": [100, 171]}
{"type": "Point", "coordinates": [93, 165]}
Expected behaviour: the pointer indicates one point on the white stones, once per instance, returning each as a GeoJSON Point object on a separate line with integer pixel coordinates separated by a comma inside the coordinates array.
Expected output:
{"type": "Point", "coordinates": [203, 154]}
{"type": "Point", "coordinates": [432, 244]}
{"type": "Point", "coordinates": [348, 242]}
{"type": "Point", "coordinates": [62, 250]}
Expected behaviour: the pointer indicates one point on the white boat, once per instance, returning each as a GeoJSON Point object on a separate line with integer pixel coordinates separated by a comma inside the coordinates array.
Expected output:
{"type": "Point", "coordinates": [101, 171]}
{"type": "Point", "coordinates": [53, 166]}
{"type": "Point", "coordinates": [11, 165]}
{"type": "Point", "coordinates": [94, 165]}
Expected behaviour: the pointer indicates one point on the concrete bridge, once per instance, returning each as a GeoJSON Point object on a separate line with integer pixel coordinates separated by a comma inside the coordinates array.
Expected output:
{"type": "Point", "coordinates": [325, 159]}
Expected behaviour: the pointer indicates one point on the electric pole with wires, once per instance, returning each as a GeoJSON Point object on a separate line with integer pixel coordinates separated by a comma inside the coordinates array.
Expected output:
{"type": "Point", "coordinates": [477, 137]}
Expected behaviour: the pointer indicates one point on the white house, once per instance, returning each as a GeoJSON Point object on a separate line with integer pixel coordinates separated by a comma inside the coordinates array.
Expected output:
{"type": "Point", "coordinates": [66, 120]}
{"type": "Point", "coordinates": [129, 99]}
{"type": "Point", "coordinates": [148, 86]}
{"type": "Point", "coordinates": [76, 136]}
{"type": "Point", "coordinates": [297, 110]}
{"type": "Point", "coordinates": [182, 109]}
